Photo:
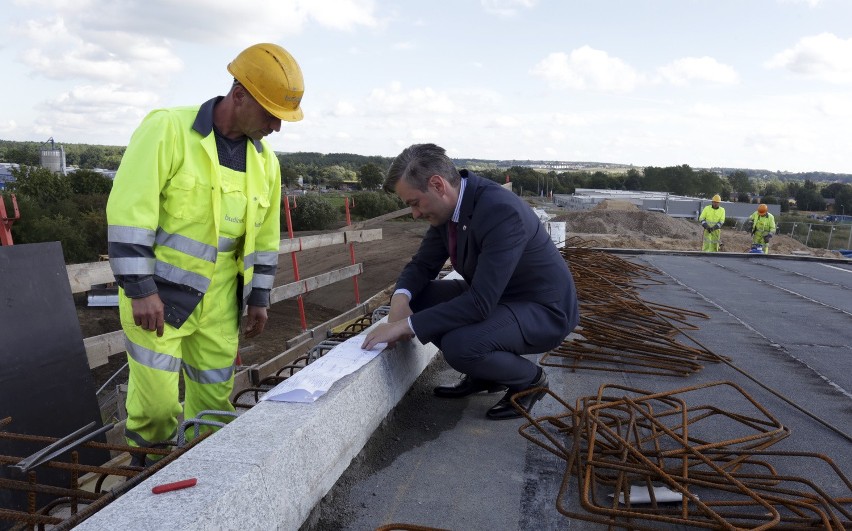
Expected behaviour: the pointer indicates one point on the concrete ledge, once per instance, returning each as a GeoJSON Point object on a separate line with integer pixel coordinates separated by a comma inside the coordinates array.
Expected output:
{"type": "Point", "coordinates": [269, 467]}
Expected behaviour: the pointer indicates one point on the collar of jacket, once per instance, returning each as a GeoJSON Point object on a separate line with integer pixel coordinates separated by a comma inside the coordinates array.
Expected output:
{"type": "Point", "coordinates": [204, 121]}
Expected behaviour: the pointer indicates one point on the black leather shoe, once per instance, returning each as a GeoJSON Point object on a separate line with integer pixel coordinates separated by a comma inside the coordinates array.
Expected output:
{"type": "Point", "coordinates": [504, 409]}
{"type": "Point", "coordinates": [467, 386]}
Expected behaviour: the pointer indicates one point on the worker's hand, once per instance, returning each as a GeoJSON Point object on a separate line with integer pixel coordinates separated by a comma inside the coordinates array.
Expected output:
{"type": "Point", "coordinates": [388, 333]}
{"type": "Point", "coordinates": [148, 313]}
{"type": "Point", "coordinates": [717, 226]}
{"type": "Point", "coordinates": [254, 321]}
{"type": "Point", "coordinates": [704, 224]}
{"type": "Point", "coordinates": [767, 237]}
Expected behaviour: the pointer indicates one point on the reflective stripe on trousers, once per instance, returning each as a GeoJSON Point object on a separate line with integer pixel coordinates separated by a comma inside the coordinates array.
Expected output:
{"type": "Point", "coordinates": [205, 348]}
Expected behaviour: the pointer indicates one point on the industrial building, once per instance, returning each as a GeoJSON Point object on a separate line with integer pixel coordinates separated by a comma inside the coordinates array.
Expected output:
{"type": "Point", "coordinates": [676, 206]}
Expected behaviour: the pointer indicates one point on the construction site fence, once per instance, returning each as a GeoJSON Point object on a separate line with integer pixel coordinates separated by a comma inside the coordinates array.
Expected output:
{"type": "Point", "coordinates": [831, 236]}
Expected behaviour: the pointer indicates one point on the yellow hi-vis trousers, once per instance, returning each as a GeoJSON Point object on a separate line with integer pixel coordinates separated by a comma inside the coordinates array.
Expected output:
{"type": "Point", "coordinates": [711, 241]}
{"type": "Point", "coordinates": [204, 349]}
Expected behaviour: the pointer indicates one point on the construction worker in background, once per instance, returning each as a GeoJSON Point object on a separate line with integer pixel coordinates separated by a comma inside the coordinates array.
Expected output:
{"type": "Point", "coordinates": [194, 231]}
{"type": "Point", "coordinates": [712, 218]}
{"type": "Point", "coordinates": [762, 225]}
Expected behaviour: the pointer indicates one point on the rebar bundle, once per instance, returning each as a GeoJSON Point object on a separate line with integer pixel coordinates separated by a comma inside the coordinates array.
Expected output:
{"type": "Point", "coordinates": [640, 460]}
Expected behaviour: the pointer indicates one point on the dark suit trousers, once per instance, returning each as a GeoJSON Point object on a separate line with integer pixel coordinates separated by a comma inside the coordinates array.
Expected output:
{"type": "Point", "coordinates": [489, 350]}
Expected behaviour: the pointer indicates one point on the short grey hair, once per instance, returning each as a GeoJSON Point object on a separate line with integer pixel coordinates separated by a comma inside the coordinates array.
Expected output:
{"type": "Point", "coordinates": [417, 163]}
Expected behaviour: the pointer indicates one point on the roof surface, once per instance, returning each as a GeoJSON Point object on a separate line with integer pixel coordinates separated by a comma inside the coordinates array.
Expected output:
{"type": "Point", "coordinates": [785, 325]}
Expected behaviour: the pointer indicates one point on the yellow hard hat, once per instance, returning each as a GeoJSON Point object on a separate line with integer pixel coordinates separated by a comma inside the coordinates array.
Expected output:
{"type": "Point", "coordinates": [716, 198]}
{"type": "Point", "coordinates": [762, 209]}
{"type": "Point", "coordinates": [272, 77]}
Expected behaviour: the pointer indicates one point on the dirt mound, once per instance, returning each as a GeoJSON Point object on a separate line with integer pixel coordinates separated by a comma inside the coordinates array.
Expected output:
{"type": "Point", "coordinates": [615, 204]}
{"type": "Point", "coordinates": [639, 229]}
{"type": "Point", "coordinates": [631, 222]}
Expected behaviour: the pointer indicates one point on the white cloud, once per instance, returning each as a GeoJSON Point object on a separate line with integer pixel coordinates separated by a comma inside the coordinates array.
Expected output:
{"type": "Point", "coordinates": [7, 127]}
{"type": "Point", "coordinates": [507, 8]}
{"type": "Point", "coordinates": [587, 69]}
{"type": "Point", "coordinates": [810, 3]}
{"type": "Point", "coordinates": [396, 100]}
{"type": "Point", "coordinates": [702, 69]}
{"type": "Point", "coordinates": [825, 57]}
{"type": "Point", "coordinates": [344, 108]}
{"type": "Point", "coordinates": [106, 40]}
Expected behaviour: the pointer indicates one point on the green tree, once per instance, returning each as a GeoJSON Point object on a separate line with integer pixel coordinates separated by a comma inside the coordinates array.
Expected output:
{"type": "Point", "coordinates": [831, 190]}
{"type": "Point", "coordinates": [368, 205]}
{"type": "Point", "coordinates": [808, 198]}
{"type": "Point", "coordinates": [775, 187]}
{"type": "Point", "coordinates": [312, 212]}
{"type": "Point", "coordinates": [40, 184]}
{"type": "Point", "coordinates": [89, 182]}
{"type": "Point", "coordinates": [289, 176]}
{"type": "Point", "coordinates": [600, 181]}
{"type": "Point", "coordinates": [740, 182]}
{"type": "Point", "coordinates": [843, 200]}
{"type": "Point", "coordinates": [22, 153]}
{"type": "Point", "coordinates": [370, 176]}
{"type": "Point", "coordinates": [633, 181]}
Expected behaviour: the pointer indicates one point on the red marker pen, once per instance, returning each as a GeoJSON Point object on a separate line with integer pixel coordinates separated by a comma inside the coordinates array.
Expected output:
{"type": "Point", "coordinates": [177, 485]}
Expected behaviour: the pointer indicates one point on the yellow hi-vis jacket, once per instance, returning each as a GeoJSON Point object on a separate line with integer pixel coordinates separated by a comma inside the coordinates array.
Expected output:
{"type": "Point", "coordinates": [712, 215]}
{"type": "Point", "coordinates": [762, 224]}
{"type": "Point", "coordinates": [164, 213]}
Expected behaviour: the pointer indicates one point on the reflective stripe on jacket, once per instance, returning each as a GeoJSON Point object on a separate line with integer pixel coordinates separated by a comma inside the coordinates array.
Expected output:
{"type": "Point", "coordinates": [164, 213]}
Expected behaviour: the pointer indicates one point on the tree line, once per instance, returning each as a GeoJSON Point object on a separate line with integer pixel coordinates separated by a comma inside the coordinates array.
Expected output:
{"type": "Point", "coordinates": [71, 208]}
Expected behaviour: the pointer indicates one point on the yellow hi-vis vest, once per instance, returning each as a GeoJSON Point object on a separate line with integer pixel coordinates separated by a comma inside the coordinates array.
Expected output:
{"type": "Point", "coordinates": [164, 213]}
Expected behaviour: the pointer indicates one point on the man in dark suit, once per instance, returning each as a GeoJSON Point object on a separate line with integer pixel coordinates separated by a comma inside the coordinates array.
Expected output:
{"type": "Point", "coordinates": [517, 296]}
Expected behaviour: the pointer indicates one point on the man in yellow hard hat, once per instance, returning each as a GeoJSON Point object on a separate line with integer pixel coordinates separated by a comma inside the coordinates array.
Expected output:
{"type": "Point", "coordinates": [193, 240]}
{"type": "Point", "coordinates": [712, 218]}
{"type": "Point", "coordinates": [762, 225]}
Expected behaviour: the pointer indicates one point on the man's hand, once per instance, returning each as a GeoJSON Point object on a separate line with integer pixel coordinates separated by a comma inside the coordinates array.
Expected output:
{"type": "Point", "coordinates": [399, 309]}
{"type": "Point", "coordinates": [148, 313]}
{"type": "Point", "coordinates": [388, 333]}
{"type": "Point", "coordinates": [255, 321]}
{"type": "Point", "coordinates": [767, 237]}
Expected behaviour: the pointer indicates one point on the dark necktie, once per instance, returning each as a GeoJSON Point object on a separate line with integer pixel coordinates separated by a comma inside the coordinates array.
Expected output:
{"type": "Point", "coordinates": [451, 231]}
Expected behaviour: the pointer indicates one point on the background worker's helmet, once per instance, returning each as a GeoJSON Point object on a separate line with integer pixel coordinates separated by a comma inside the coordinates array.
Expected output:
{"type": "Point", "coordinates": [716, 198]}
{"type": "Point", "coordinates": [273, 78]}
{"type": "Point", "coordinates": [762, 209]}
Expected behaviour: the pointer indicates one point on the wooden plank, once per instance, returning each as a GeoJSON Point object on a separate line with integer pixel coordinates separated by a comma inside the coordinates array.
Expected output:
{"type": "Point", "coordinates": [100, 348]}
{"type": "Point", "coordinates": [300, 287]}
{"type": "Point", "coordinates": [83, 276]}
{"type": "Point", "coordinates": [390, 215]}
{"type": "Point", "coordinates": [364, 235]}
{"type": "Point", "coordinates": [311, 242]}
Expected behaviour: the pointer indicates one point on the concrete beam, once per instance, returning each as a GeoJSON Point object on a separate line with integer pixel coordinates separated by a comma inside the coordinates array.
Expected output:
{"type": "Point", "coordinates": [269, 467]}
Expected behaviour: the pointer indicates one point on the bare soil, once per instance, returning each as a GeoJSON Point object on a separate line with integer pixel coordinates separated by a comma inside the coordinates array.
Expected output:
{"type": "Point", "coordinates": [613, 224]}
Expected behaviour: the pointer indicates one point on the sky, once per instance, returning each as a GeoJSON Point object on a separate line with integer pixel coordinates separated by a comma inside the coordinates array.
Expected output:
{"type": "Point", "coordinates": [760, 84]}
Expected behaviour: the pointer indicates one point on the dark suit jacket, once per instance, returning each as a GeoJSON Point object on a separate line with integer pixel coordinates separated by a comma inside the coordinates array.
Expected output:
{"type": "Point", "coordinates": [506, 257]}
